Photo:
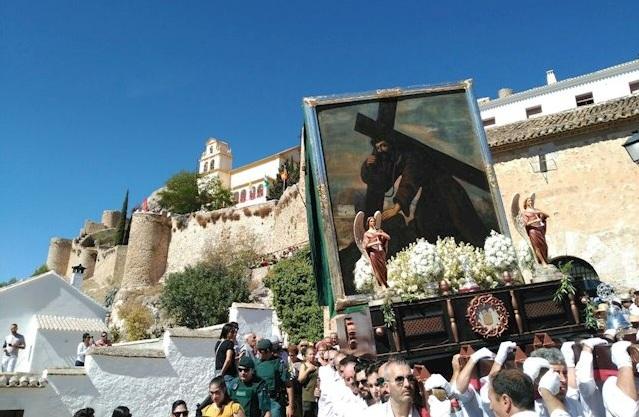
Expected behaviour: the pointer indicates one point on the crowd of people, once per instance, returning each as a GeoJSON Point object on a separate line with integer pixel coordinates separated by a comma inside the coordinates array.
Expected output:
{"type": "Point", "coordinates": [260, 378]}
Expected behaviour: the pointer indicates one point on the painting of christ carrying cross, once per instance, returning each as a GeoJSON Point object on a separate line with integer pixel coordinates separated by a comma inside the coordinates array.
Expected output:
{"type": "Point", "coordinates": [416, 158]}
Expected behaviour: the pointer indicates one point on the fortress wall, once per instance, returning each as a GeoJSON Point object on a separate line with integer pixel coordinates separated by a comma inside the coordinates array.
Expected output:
{"type": "Point", "coordinates": [270, 226]}
{"type": "Point", "coordinates": [87, 258]}
{"type": "Point", "coordinates": [58, 256]}
{"type": "Point", "coordinates": [146, 257]}
{"type": "Point", "coordinates": [111, 218]}
{"type": "Point", "coordinates": [109, 266]}
{"type": "Point", "coordinates": [91, 227]}
{"type": "Point", "coordinates": [203, 232]}
{"type": "Point", "coordinates": [74, 259]}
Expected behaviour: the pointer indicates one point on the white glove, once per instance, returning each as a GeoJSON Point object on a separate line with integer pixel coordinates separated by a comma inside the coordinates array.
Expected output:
{"type": "Point", "coordinates": [619, 354]}
{"type": "Point", "coordinates": [504, 349]}
{"type": "Point", "coordinates": [437, 381]}
{"type": "Point", "coordinates": [482, 353]}
{"type": "Point", "coordinates": [532, 366]}
{"type": "Point", "coordinates": [438, 408]}
{"type": "Point", "coordinates": [550, 381]}
{"type": "Point", "coordinates": [568, 353]}
{"type": "Point", "coordinates": [594, 341]}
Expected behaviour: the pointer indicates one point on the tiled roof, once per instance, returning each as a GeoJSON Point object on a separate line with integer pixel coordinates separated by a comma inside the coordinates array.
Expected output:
{"type": "Point", "coordinates": [575, 120]}
{"type": "Point", "coordinates": [70, 324]}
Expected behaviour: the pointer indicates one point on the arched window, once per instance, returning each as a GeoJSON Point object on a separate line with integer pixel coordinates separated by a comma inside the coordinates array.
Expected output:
{"type": "Point", "coordinates": [243, 196]}
{"type": "Point", "coordinates": [210, 149]}
{"type": "Point", "coordinates": [206, 167]}
{"type": "Point", "coordinates": [260, 190]}
{"type": "Point", "coordinates": [580, 271]}
{"type": "Point", "coordinates": [252, 193]}
{"type": "Point", "coordinates": [212, 166]}
{"type": "Point", "coordinates": [236, 197]}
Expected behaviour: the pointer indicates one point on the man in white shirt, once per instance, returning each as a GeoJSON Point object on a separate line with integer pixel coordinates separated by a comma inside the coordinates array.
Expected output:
{"type": "Point", "coordinates": [567, 393]}
{"type": "Point", "coordinates": [83, 346]}
{"type": "Point", "coordinates": [511, 394]}
{"type": "Point", "coordinates": [12, 344]}
{"type": "Point", "coordinates": [620, 392]}
{"type": "Point", "coordinates": [401, 384]}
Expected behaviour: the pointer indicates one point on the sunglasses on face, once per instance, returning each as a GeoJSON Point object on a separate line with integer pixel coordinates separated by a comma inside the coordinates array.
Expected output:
{"type": "Point", "coordinates": [363, 382]}
{"type": "Point", "coordinates": [180, 413]}
{"type": "Point", "coordinates": [400, 379]}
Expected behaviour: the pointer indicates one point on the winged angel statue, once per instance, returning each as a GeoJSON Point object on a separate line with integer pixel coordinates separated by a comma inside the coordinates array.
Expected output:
{"type": "Point", "coordinates": [372, 241]}
{"type": "Point", "coordinates": [531, 225]}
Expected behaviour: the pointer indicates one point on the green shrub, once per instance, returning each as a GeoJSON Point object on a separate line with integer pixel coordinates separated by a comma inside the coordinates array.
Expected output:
{"type": "Point", "coordinates": [295, 297]}
{"type": "Point", "coordinates": [201, 295]}
{"type": "Point", "coordinates": [137, 320]}
{"type": "Point", "coordinates": [40, 270]}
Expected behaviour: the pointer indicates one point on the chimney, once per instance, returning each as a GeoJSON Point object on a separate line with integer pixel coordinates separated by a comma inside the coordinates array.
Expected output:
{"type": "Point", "coordinates": [78, 276]}
{"type": "Point", "coordinates": [550, 77]}
{"type": "Point", "coordinates": [504, 92]}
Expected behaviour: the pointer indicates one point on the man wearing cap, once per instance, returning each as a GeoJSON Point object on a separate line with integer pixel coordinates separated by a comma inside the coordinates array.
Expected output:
{"type": "Point", "coordinates": [275, 374]}
{"type": "Point", "coordinates": [250, 391]}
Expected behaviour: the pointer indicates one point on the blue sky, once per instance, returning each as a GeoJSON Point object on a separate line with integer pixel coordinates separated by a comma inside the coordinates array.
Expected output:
{"type": "Point", "coordinates": [98, 97]}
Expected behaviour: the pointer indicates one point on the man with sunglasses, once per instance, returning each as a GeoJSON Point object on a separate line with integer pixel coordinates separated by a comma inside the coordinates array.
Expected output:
{"type": "Point", "coordinates": [401, 384]}
{"type": "Point", "coordinates": [275, 374]}
{"type": "Point", "coordinates": [250, 391]}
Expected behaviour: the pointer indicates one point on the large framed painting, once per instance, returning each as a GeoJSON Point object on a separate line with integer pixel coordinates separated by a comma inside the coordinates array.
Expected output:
{"type": "Point", "coordinates": [418, 156]}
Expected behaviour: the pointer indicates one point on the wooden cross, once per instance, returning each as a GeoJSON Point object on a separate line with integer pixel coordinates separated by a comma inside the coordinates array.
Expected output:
{"type": "Point", "coordinates": [384, 129]}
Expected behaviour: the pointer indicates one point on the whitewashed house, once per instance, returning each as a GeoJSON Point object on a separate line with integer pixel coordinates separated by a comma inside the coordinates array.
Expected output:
{"type": "Point", "coordinates": [52, 315]}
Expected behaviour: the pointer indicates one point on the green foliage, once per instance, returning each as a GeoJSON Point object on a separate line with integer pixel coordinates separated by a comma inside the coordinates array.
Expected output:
{"type": "Point", "coordinates": [40, 270]}
{"type": "Point", "coordinates": [589, 315]}
{"type": "Point", "coordinates": [214, 195]}
{"type": "Point", "coordinates": [275, 186]}
{"type": "Point", "coordinates": [387, 311]}
{"type": "Point", "coordinates": [106, 238]}
{"type": "Point", "coordinates": [109, 298]}
{"type": "Point", "coordinates": [121, 228]}
{"type": "Point", "coordinates": [137, 320]}
{"type": "Point", "coordinates": [295, 297]}
{"type": "Point", "coordinates": [181, 194]}
{"type": "Point", "coordinates": [566, 285]}
{"type": "Point", "coordinates": [201, 295]}
{"type": "Point", "coordinates": [9, 282]}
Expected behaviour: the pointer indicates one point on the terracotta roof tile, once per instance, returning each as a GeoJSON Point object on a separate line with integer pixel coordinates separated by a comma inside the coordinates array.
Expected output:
{"type": "Point", "coordinates": [70, 324]}
{"type": "Point", "coordinates": [553, 124]}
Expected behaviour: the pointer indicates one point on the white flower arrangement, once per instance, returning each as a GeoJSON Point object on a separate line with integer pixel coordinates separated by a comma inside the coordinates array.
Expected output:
{"type": "Point", "coordinates": [525, 256]}
{"type": "Point", "coordinates": [412, 270]}
{"type": "Point", "coordinates": [500, 252]}
{"type": "Point", "coordinates": [363, 273]}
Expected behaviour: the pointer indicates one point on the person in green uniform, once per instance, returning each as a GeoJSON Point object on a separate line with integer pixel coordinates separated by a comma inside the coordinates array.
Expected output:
{"type": "Point", "coordinates": [250, 391]}
{"type": "Point", "coordinates": [270, 369]}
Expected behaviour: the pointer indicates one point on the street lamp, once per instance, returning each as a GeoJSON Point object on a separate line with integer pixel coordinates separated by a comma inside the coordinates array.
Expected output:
{"type": "Point", "coordinates": [632, 147]}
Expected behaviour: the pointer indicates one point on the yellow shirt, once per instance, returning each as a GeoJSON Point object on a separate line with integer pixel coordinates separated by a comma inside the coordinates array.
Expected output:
{"type": "Point", "coordinates": [228, 411]}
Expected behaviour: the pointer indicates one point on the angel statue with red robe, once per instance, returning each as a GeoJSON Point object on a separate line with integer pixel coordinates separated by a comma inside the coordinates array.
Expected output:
{"type": "Point", "coordinates": [373, 243]}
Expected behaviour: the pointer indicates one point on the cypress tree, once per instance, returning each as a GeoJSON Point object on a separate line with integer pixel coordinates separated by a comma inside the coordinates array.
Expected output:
{"type": "Point", "coordinates": [120, 233]}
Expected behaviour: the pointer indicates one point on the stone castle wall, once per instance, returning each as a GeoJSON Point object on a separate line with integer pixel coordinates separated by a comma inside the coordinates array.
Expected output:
{"type": "Point", "coordinates": [109, 266]}
{"type": "Point", "coordinates": [147, 250]}
{"type": "Point", "coordinates": [270, 227]}
{"type": "Point", "coordinates": [591, 198]}
{"type": "Point", "coordinates": [58, 256]}
{"type": "Point", "coordinates": [111, 218]}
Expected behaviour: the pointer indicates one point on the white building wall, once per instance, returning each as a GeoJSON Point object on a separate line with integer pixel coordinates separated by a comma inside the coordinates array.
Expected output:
{"type": "Point", "coordinates": [560, 99]}
{"type": "Point", "coordinates": [243, 177]}
{"type": "Point", "coordinates": [147, 385]}
{"type": "Point", "coordinates": [54, 349]}
{"type": "Point", "coordinates": [46, 295]}
{"type": "Point", "coordinates": [254, 318]}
